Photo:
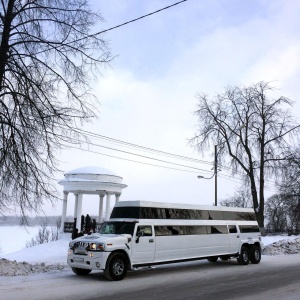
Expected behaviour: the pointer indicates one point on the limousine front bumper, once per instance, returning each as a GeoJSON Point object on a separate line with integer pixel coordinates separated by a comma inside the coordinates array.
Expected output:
{"type": "Point", "coordinates": [89, 260]}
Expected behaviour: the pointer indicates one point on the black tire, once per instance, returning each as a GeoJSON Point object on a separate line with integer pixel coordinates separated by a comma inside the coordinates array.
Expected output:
{"type": "Point", "coordinates": [213, 259]}
{"type": "Point", "coordinates": [255, 254]}
{"type": "Point", "coordinates": [116, 267]}
{"type": "Point", "coordinates": [81, 272]}
{"type": "Point", "coordinates": [243, 258]}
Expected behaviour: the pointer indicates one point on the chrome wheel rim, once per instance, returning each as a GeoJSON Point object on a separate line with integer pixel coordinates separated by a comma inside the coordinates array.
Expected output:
{"type": "Point", "coordinates": [118, 267]}
{"type": "Point", "coordinates": [245, 256]}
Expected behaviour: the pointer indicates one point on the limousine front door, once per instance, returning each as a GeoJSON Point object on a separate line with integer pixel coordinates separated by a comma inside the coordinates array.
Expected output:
{"type": "Point", "coordinates": [143, 246]}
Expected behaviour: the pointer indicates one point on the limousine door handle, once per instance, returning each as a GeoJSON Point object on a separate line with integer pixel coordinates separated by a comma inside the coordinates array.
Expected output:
{"type": "Point", "coordinates": [238, 236]}
{"type": "Point", "coordinates": [151, 241]}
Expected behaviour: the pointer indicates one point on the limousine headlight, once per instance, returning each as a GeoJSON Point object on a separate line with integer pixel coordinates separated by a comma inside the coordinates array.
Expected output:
{"type": "Point", "coordinates": [96, 247]}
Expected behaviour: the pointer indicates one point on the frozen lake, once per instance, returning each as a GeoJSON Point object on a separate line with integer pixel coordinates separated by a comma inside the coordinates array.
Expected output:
{"type": "Point", "coordinates": [14, 238]}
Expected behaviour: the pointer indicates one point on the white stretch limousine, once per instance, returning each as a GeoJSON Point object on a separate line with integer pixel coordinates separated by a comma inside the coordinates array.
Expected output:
{"type": "Point", "coordinates": [143, 233]}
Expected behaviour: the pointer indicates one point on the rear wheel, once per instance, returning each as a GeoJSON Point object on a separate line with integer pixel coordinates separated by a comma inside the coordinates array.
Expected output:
{"type": "Point", "coordinates": [116, 267]}
{"type": "Point", "coordinates": [213, 259]}
{"type": "Point", "coordinates": [81, 272]}
{"type": "Point", "coordinates": [255, 254]}
{"type": "Point", "coordinates": [243, 258]}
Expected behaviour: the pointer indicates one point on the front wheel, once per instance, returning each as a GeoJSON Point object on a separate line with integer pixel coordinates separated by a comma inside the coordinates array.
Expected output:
{"type": "Point", "coordinates": [243, 258]}
{"type": "Point", "coordinates": [116, 267]}
{"type": "Point", "coordinates": [255, 254]}
{"type": "Point", "coordinates": [81, 272]}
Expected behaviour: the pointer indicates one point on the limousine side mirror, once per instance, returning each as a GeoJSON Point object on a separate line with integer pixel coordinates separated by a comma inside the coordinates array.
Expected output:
{"type": "Point", "coordinates": [139, 234]}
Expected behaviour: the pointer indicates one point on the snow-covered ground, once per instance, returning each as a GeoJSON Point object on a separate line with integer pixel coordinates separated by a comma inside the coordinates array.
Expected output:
{"type": "Point", "coordinates": [53, 252]}
{"type": "Point", "coordinates": [38, 259]}
{"type": "Point", "coordinates": [49, 256]}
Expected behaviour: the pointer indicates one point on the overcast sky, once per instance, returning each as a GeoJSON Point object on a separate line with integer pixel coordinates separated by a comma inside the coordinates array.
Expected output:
{"type": "Point", "coordinates": [161, 63]}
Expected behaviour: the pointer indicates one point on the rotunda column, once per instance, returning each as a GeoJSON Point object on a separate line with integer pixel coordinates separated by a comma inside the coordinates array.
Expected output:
{"type": "Point", "coordinates": [107, 206]}
{"type": "Point", "coordinates": [78, 198]}
{"type": "Point", "coordinates": [75, 205]}
{"type": "Point", "coordinates": [64, 212]}
{"type": "Point", "coordinates": [118, 197]}
{"type": "Point", "coordinates": [100, 216]}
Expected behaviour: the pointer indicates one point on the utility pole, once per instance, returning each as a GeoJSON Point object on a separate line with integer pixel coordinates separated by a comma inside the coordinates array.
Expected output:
{"type": "Point", "coordinates": [215, 174]}
{"type": "Point", "coordinates": [216, 177]}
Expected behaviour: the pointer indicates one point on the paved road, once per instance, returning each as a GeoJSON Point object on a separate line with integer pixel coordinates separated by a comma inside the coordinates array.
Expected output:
{"type": "Point", "coordinates": [276, 277]}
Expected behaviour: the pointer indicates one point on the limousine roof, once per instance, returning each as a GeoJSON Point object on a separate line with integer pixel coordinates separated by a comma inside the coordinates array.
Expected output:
{"type": "Point", "coordinates": [139, 203]}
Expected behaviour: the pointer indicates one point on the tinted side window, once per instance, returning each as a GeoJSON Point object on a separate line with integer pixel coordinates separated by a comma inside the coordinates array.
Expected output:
{"type": "Point", "coordinates": [161, 230]}
{"type": "Point", "coordinates": [232, 229]}
{"type": "Point", "coordinates": [179, 230]}
{"type": "Point", "coordinates": [248, 228]}
{"type": "Point", "coordinates": [249, 217]}
{"type": "Point", "coordinates": [230, 215]}
{"type": "Point", "coordinates": [218, 229]}
{"type": "Point", "coordinates": [195, 229]}
{"type": "Point", "coordinates": [215, 215]}
{"type": "Point", "coordinates": [125, 212]}
{"type": "Point", "coordinates": [144, 231]}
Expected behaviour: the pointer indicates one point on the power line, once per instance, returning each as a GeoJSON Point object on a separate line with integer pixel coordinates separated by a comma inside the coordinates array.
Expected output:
{"type": "Point", "coordinates": [120, 25]}
{"type": "Point", "coordinates": [139, 18]}
{"type": "Point", "coordinates": [142, 148]}
{"type": "Point", "coordinates": [88, 133]}
{"type": "Point", "coordinates": [224, 176]}
{"type": "Point", "coordinates": [144, 163]}
{"type": "Point", "coordinates": [123, 143]}
{"type": "Point", "coordinates": [143, 156]}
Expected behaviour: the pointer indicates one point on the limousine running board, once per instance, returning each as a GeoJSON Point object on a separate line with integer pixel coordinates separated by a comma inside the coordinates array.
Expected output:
{"type": "Point", "coordinates": [165, 262]}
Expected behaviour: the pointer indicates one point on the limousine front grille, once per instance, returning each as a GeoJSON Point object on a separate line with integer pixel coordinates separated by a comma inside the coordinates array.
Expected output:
{"type": "Point", "coordinates": [80, 248]}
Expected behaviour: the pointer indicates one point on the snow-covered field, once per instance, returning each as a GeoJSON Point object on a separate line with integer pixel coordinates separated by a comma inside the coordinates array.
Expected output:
{"type": "Point", "coordinates": [14, 238]}
{"type": "Point", "coordinates": [16, 259]}
{"type": "Point", "coordinates": [13, 246]}
{"type": "Point", "coordinates": [49, 256]}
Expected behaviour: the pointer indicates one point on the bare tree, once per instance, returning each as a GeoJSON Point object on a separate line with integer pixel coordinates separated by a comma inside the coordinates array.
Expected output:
{"type": "Point", "coordinates": [46, 234]}
{"type": "Point", "coordinates": [253, 132]}
{"type": "Point", "coordinates": [290, 189]}
{"type": "Point", "coordinates": [276, 213]}
{"type": "Point", "coordinates": [47, 60]}
{"type": "Point", "coordinates": [241, 198]}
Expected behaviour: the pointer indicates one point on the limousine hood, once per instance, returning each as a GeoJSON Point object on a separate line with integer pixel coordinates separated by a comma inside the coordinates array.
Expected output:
{"type": "Point", "coordinates": [109, 241]}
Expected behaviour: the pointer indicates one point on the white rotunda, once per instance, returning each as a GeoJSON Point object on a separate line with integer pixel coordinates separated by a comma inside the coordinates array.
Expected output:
{"type": "Point", "coordinates": [91, 181]}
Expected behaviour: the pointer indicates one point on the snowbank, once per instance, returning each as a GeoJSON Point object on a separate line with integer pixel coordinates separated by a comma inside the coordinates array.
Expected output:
{"type": "Point", "coordinates": [291, 246]}
{"type": "Point", "coordinates": [13, 268]}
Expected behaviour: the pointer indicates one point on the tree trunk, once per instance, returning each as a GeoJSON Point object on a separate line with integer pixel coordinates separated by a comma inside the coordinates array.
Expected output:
{"type": "Point", "coordinates": [8, 17]}
{"type": "Point", "coordinates": [258, 212]}
{"type": "Point", "coordinates": [260, 220]}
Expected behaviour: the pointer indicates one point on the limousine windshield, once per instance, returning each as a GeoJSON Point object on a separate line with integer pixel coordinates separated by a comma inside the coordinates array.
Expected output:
{"type": "Point", "coordinates": [117, 228]}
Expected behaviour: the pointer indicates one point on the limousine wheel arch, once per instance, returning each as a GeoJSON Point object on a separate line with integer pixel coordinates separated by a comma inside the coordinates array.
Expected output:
{"type": "Point", "coordinates": [116, 266]}
{"type": "Point", "coordinates": [243, 258]}
{"type": "Point", "coordinates": [255, 254]}
{"type": "Point", "coordinates": [81, 272]}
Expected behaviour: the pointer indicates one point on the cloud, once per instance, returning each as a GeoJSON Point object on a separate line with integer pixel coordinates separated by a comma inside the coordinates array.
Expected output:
{"type": "Point", "coordinates": [148, 98]}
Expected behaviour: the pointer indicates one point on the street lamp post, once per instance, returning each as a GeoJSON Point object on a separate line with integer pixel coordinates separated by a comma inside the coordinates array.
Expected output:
{"type": "Point", "coordinates": [214, 175]}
